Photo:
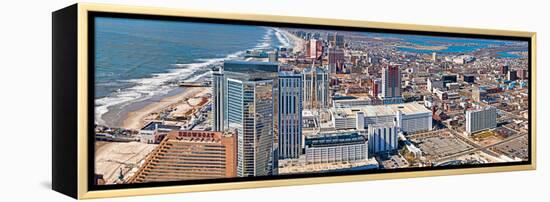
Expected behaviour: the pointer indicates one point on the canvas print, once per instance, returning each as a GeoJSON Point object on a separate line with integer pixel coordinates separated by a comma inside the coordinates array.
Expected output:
{"type": "Point", "coordinates": [181, 100]}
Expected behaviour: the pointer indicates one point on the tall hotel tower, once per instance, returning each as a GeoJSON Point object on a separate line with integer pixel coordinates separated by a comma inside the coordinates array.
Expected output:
{"type": "Point", "coordinates": [290, 115]}
{"type": "Point", "coordinates": [248, 107]}
{"type": "Point", "coordinates": [391, 84]}
{"type": "Point", "coordinates": [217, 101]}
{"type": "Point", "coordinates": [316, 90]}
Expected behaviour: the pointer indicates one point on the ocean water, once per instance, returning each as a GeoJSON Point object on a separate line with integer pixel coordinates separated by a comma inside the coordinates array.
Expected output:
{"type": "Point", "coordinates": [137, 59]}
{"type": "Point", "coordinates": [506, 54]}
{"type": "Point", "coordinates": [454, 44]}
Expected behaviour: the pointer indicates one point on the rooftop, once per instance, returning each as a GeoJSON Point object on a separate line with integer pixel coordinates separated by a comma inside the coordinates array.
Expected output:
{"type": "Point", "coordinates": [317, 69]}
{"type": "Point", "coordinates": [250, 66]}
{"type": "Point", "coordinates": [345, 97]}
{"type": "Point", "coordinates": [159, 125]}
{"type": "Point", "coordinates": [331, 139]}
{"type": "Point", "coordinates": [381, 110]}
{"type": "Point", "coordinates": [289, 74]}
{"type": "Point", "coordinates": [195, 136]}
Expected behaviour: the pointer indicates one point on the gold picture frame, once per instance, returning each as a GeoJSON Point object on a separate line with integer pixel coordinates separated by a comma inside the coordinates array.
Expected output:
{"type": "Point", "coordinates": [76, 181]}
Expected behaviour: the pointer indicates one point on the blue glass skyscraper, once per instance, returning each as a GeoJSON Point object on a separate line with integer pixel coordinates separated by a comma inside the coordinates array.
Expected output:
{"type": "Point", "coordinates": [248, 108]}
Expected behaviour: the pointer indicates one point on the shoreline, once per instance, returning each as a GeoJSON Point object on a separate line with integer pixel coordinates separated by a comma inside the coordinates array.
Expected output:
{"type": "Point", "coordinates": [136, 115]}
{"type": "Point", "coordinates": [298, 43]}
{"type": "Point", "coordinates": [138, 118]}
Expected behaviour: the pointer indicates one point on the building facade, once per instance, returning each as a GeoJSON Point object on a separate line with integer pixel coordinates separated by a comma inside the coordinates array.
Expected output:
{"type": "Point", "coordinates": [478, 93]}
{"type": "Point", "coordinates": [190, 155]}
{"type": "Point", "coordinates": [289, 115]}
{"type": "Point", "coordinates": [154, 131]}
{"type": "Point", "coordinates": [382, 138]}
{"type": "Point", "coordinates": [412, 117]}
{"type": "Point", "coordinates": [336, 59]}
{"type": "Point", "coordinates": [512, 75]}
{"type": "Point", "coordinates": [315, 49]}
{"type": "Point", "coordinates": [481, 119]}
{"type": "Point", "coordinates": [336, 147]}
{"type": "Point", "coordinates": [391, 84]}
{"type": "Point", "coordinates": [218, 89]}
{"type": "Point", "coordinates": [504, 69]}
{"type": "Point", "coordinates": [250, 90]}
{"type": "Point", "coordinates": [316, 88]}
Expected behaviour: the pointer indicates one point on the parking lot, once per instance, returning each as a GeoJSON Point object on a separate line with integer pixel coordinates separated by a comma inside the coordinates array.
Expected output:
{"type": "Point", "coordinates": [439, 145]}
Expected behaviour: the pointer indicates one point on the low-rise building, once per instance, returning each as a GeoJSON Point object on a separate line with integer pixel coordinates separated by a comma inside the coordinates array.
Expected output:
{"type": "Point", "coordinates": [350, 101]}
{"type": "Point", "coordinates": [153, 132]}
{"type": "Point", "coordinates": [333, 147]}
{"type": "Point", "coordinates": [413, 116]}
{"type": "Point", "coordinates": [382, 138]}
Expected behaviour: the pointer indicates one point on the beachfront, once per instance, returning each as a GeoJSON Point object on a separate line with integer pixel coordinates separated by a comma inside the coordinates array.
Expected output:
{"type": "Point", "coordinates": [111, 157]}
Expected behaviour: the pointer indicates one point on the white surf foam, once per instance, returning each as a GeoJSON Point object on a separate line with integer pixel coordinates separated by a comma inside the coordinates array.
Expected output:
{"type": "Point", "coordinates": [283, 39]}
{"type": "Point", "coordinates": [265, 42]}
{"type": "Point", "coordinates": [162, 83]}
{"type": "Point", "coordinates": [158, 84]}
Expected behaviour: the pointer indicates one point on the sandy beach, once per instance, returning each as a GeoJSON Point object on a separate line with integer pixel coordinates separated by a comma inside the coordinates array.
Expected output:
{"type": "Point", "coordinates": [110, 157]}
{"type": "Point", "coordinates": [181, 103]}
{"type": "Point", "coordinates": [298, 43]}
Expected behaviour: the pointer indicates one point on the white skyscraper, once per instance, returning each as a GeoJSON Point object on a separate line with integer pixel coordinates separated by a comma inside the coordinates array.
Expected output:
{"type": "Point", "coordinates": [217, 101]}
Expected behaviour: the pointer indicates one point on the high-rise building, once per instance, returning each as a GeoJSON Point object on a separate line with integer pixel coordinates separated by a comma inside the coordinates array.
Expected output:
{"type": "Point", "coordinates": [434, 56]}
{"type": "Point", "coordinates": [481, 119]}
{"type": "Point", "coordinates": [330, 37]}
{"type": "Point", "coordinates": [391, 84]}
{"type": "Point", "coordinates": [382, 138]}
{"type": "Point", "coordinates": [469, 78]}
{"type": "Point", "coordinates": [449, 78]}
{"type": "Point", "coordinates": [339, 41]}
{"type": "Point", "coordinates": [504, 69]}
{"type": "Point", "coordinates": [290, 115]}
{"type": "Point", "coordinates": [522, 74]}
{"type": "Point", "coordinates": [316, 88]}
{"type": "Point", "coordinates": [217, 101]}
{"type": "Point", "coordinates": [335, 59]}
{"type": "Point", "coordinates": [376, 88]}
{"type": "Point", "coordinates": [315, 49]}
{"type": "Point", "coordinates": [190, 155]}
{"type": "Point", "coordinates": [512, 75]}
{"type": "Point", "coordinates": [250, 93]}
